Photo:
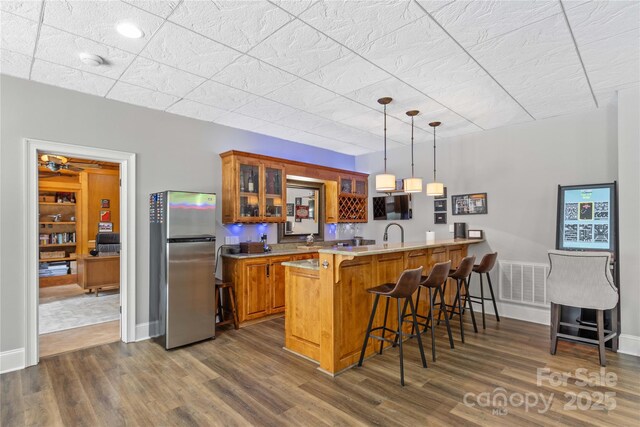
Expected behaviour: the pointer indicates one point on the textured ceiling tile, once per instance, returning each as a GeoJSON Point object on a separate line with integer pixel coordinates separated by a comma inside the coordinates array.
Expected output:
{"type": "Point", "coordinates": [254, 76]}
{"type": "Point", "coordinates": [337, 108]}
{"type": "Point", "coordinates": [449, 71]}
{"type": "Point", "coordinates": [303, 121]}
{"type": "Point", "coordinates": [370, 121]}
{"type": "Point", "coordinates": [186, 50]}
{"type": "Point", "coordinates": [302, 95]}
{"type": "Point", "coordinates": [473, 22]}
{"type": "Point", "coordinates": [70, 78]}
{"type": "Point", "coordinates": [162, 78]}
{"type": "Point", "coordinates": [447, 130]}
{"type": "Point", "coordinates": [448, 118]}
{"type": "Point", "coordinates": [529, 43]}
{"type": "Point", "coordinates": [265, 109]}
{"type": "Point", "coordinates": [298, 49]}
{"type": "Point", "coordinates": [294, 7]}
{"type": "Point", "coordinates": [613, 61]}
{"type": "Point", "coordinates": [356, 23]}
{"type": "Point", "coordinates": [411, 47]}
{"type": "Point", "coordinates": [239, 24]}
{"type": "Point", "coordinates": [277, 131]}
{"type": "Point", "coordinates": [157, 7]}
{"type": "Point", "coordinates": [241, 121]}
{"type": "Point", "coordinates": [140, 96]}
{"type": "Point", "coordinates": [196, 110]}
{"type": "Point", "coordinates": [597, 20]}
{"type": "Point", "coordinates": [97, 20]}
{"type": "Point", "coordinates": [29, 9]}
{"type": "Point", "coordinates": [555, 106]}
{"type": "Point", "coordinates": [14, 64]}
{"type": "Point", "coordinates": [63, 48]}
{"type": "Point", "coordinates": [432, 6]}
{"type": "Point", "coordinates": [220, 96]}
{"type": "Point", "coordinates": [18, 34]}
{"type": "Point", "coordinates": [347, 74]}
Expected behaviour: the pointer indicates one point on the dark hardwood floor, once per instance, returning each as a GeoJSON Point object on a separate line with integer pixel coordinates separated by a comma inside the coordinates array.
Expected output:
{"type": "Point", "coordinates": [244, 377]}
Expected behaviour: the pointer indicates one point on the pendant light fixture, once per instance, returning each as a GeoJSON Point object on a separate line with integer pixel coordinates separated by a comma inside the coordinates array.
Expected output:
{"type": "Point", "coordinates": [385, 181]}
{"type": "Point", "coordinates": [435, 188]}
{"type": "Point", "coordinates": [413, 184]}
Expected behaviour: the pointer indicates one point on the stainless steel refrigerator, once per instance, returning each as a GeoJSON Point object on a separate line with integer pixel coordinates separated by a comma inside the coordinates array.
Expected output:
{"type": "Point", "coordinates": [182, 265]}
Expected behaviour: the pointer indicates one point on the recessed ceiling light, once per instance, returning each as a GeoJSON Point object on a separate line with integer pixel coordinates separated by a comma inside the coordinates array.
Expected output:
{"type": "Point", "coordinates": [91, 59]}
{"type": "Point", "coordinates": [129, 30]}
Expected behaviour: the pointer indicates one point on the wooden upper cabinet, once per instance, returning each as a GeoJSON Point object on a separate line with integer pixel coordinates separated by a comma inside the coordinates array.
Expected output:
{"type": "Point", "coordinates": [253, 190]}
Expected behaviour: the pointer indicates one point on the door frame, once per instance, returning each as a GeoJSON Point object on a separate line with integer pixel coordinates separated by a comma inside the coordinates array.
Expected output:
{"type": "Point", "coordinates": [127, 163]}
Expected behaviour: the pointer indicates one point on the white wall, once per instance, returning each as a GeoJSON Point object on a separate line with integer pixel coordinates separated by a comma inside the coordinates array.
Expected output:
{"type": "Point", "coordinates": [519, 167]}
{"type": "Point", "coordinates": [173, 153]}
{"type": "Point", "coordinates": [629, 198]}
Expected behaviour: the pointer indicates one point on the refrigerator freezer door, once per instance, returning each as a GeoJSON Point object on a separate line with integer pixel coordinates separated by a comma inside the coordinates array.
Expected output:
{"type": "Point", "coordinates": [190, 214]}
{"type": "Point", "coordinates": [191, 292]}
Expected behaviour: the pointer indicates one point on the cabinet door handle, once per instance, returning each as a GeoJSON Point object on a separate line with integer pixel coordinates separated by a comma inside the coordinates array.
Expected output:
{"type": "Point", "coordinates": [267, 270]}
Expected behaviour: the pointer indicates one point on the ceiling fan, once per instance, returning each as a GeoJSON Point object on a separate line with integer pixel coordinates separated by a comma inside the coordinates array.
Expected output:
{"type": "Point", "coordinates": [56, 163]}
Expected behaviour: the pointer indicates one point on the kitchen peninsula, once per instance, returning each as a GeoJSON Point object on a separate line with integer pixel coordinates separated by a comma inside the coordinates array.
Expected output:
{"type": "Point", "coordinates": [327, 306]}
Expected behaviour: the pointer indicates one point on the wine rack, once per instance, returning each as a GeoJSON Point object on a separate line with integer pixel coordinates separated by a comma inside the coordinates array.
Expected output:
{"type": "Point", "coordinates": [352, 209]}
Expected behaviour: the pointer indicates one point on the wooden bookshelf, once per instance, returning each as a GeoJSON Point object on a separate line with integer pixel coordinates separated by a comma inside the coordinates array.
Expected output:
{"type": "Point", "coordinates": [69, 258]}
{"type": "Point", "coordinates": [57, 245]}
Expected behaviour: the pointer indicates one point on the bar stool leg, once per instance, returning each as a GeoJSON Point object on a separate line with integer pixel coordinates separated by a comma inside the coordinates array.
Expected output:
{"type": "Point", "coordinates": [614, 328]}
{"type": "Point", "coordinates": [400, 344]}
{"type": "Point", "coordinates": [493, 298]}
{"type": "Point", "coordinates": [384, 324]}
{"type": "Point", "coordinates": [433, 333]}
{"type": "Point", "coordinates": [457, 302]}
{"type": "Point", "coordinates": [446, 319]}
{"type": "Point", "coordinates": [467, 301]}
{"type": "Point", "coordinates": [600, 327]}
{"type": "Point", "coordinates": [413, 330]}
{"type": "Point", "coordinates": [234, 311]}
{"type": "Point", "coordinates": [444, 291]}
{"type": "Point", "coordinates": [366, 336]}
{"type": "Point", "coordinates": [484, 326]}
{"type": "Point", "coordinates": [415, 324]}
{"type": "Point", "coordinates": [555, 327]}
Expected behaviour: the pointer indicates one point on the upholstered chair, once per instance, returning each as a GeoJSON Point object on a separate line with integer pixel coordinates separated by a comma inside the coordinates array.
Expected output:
{"type": "Point", "coordinates": [584, 280]}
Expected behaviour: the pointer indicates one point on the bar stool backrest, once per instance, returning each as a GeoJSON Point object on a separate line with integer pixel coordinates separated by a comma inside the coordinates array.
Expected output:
{"type": "Point", "coordinates": [438, 274]}
{"type": "Point", "coordinates": [407, 284]}
{"type": "Point", "coordinates": [465, 268]}
{"type": "Point", "coordinates": [487, 263]}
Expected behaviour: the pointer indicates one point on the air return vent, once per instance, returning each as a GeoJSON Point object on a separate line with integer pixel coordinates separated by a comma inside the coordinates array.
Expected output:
{"type": "Point", "coordinates": [523, 283]}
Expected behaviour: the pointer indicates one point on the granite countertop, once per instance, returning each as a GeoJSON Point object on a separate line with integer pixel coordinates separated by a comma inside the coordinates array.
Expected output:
{"type": "Point", "coordinates": [394, 247]}
{"type": "Point", "coordinates": [308, 264]}
{"type": "Point", "coordinates": [291, 249]}
{"type": "Point", "coordinates": [275, 252]}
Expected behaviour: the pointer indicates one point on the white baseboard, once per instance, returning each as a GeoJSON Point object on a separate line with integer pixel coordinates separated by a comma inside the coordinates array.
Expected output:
{"type": "Point", "coordinates": [12, 360]}
{"type": "Point", "coordinates": [524, 312]}
{"type": "Point", "coordinates": [629, 344]}
{"type": "Point", "coordinates": [144, 331]}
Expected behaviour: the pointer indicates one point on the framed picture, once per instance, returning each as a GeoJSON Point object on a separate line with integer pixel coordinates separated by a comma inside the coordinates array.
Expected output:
{"type": "Point", "coordinates": [475, 234]}
{"type": "Point", "coordinates": [440, 218]}
{"type": "Point", "coordinates": [298, 201]}
{"type": "Point", "coordinates": [302, 212]}
{"type": "Point", "coordinates": [105, 227]}
{"type": "Point", "coordinates": [105, 203]}
{"type": "Point", "coordinates": [290, 210]}
{"type": "Point", "coordinates": [469, 204]}
{"type": "Point", "coordinates": [105, 216]}
{"type": "Point", "coordinates": [440, 205]}
{"type": "Point", "coordinates": [444, 195]}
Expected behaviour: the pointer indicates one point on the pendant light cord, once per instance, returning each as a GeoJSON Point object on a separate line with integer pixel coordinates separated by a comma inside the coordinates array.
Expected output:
{"type": "Point", "coordinates": [385, 138]}
{"type": "Point", "coordinates": [412, 147]}
{"type": "Point", "coordinates": [434, 154]}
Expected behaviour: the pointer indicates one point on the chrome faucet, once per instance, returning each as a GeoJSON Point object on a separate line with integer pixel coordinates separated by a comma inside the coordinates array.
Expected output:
{"type": "Point", "coordinates": [385, 237]}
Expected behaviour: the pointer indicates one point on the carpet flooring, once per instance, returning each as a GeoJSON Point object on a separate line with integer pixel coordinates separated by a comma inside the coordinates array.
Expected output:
{"type": "Point", "coordinates": [74, 312]}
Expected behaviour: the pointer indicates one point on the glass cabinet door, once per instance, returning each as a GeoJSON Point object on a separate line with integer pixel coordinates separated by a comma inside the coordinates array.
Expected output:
{"type": "Point", "coordinates": [361, 187]}
{"type": "Point", "coordinates": [274, 190]}
{"type": "Point", "coordinates": [249, 188]}
{"type": "Point", "coordinates": [346, 185]}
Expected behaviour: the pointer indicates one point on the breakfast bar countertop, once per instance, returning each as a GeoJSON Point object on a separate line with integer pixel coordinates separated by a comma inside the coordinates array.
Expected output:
{"type": "Point", "coordinates": [307, 264]}
{"type": "Point", "coordinates": [394, 247]}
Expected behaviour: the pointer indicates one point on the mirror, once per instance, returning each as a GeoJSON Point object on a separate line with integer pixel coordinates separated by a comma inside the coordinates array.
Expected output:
{"type": "Point", "coordinates": [305, 212]}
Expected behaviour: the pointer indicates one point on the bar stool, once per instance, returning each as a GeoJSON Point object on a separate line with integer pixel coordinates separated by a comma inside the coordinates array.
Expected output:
{"type": "Point", "coordinates": [221, 311]}
{"type": "Point", "coordinates": [434, 284]}
{"type": "Point", "coordinates": [460, 275]}
{"type": "Point", "coordinates": [485, 266]}
{"type": "Point", "coordinates": [404, 288]}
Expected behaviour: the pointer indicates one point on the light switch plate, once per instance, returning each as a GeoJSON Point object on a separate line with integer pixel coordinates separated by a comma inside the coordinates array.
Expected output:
{"type": "Point", "coordinates": [451, 229]}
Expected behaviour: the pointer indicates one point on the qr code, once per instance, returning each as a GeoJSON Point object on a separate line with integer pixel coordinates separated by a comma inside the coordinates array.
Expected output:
{"type": "Point", "coordinates": [601, 233]}
{"type": "Point", "coordinates": [571, 211]}
{"type": "Point", "coordinates": [601, 211]}
{"type": "Point", "coordinates": [571, 232]}
{"type": "Point", "coordinates": [586, 233]}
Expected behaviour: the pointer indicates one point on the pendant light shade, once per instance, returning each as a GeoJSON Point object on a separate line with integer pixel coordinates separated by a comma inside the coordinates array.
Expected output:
{"type": "Point", "coordinates": [385, 181]}
{"type": "Point", "coordinates": [413, 184]}
{"type": "Point", "coordinates": [435, 188]}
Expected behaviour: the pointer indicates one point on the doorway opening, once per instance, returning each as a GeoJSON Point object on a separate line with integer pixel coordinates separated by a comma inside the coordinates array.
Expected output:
{"type": "Point", "coordinates": [80, 230]}
{"type": "Point", "coordinates": [79, 253]}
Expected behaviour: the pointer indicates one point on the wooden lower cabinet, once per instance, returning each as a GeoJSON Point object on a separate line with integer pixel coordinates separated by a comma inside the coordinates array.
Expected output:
{"type": "Point", "coordinates": [259, 283]}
